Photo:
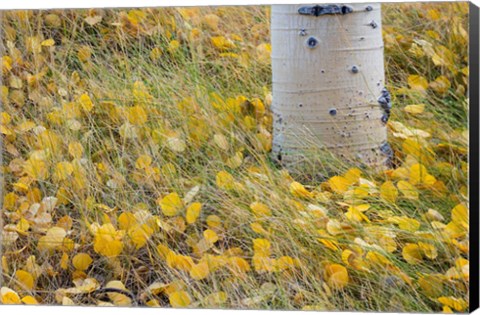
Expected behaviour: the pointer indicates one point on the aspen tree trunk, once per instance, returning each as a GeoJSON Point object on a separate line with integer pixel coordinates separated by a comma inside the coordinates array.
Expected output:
{"type": "Point", "coordinates": [328, 83]}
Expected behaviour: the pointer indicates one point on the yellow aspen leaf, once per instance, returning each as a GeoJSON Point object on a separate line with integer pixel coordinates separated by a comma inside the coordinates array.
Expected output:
{"type": "Point", "coordinates": [48, 42]}
{"type": "Point", "coordinates": [238, 265]}
{"type": "Point", "coordinates": [108, 241]}
{"type": "Point", "coordinates": [457, 304]}
{"type": "Point", "coordinates": [64, 261]}
{"type": "Point", "coordinates": [408, 190]}
{"type": "Point", "coordinates": [210, 236]}
{"type": "Point", "coordinates": [261, 247]}
{"type": "Point", "coordinates": [29, 300]}
{"type": "Point", "coordinates": [136, 115]}
{"type": "Point", "coordinates": [412, 253]}
{"type": "Point", "coordinates": [25, 278]}
{"type": "Point", "coordinates": [82, 261]}
{"type": "Point", "coordinates": [35, 168]}
{"type": "Point", "coordinates": [260, 209]}
{"type": "Point", "coordinates": [118, 299]}
{"type": "Point", "coordinates": [428, 250]}
{"type": "Point", "coordinates": [389, 192]}
{"type": "Point", "coordinates": [171, 204]}
{"type": "Point", "coordinates": [419, 175]}
{"type": "Point", "coordinates": [339, 184]}
{"type": "Point", "coordinates": [75, 149]}
{"type": "Point", "coordinates": [225, 180]}
{"type": "Point", "coordinates": [199, 271]}
{"type": "Point", "coordinates": [336, 276]}
{"type": "Point", "coordinates": [222, 43]}
{"type": "Point", "coordinates": [298, 190]}
{"type": "Point", "coordinates": [53, 239]}
{"type": "Point", "coordinates": [352, 175]}
{"type": "Point", "coordinates": [180, 262]}
{"type": "Point", "coordinates": [140, 234]}
{"type": "Point", "coordinates": [404, 223]}
{"type": "Point", "coordinates": [126, 220]}
{"type": "Point", "coordinates": [193, 212]}
{"type": "Point", "coordinates": [179, 299]}
{"type": "Point", "coordinates": [173, 46]}
{"type": "Point", "coordinates": [431, 285]}
{"type": "Point", "coordinates": [8, 296]}
{"type": "Point", "coordinates": [355, 213]}
{"type": "Point", "coordinates": [63, 170]}
{"type": "Point", "coordinates": [441, 85]}
{"type": "Point", "coordinates": [417, 83]}
{"type": "Point", "coordinates": [85, 102]}
{"type": "Point", "coordinates": [414, 109]}
{"type": "Point", "coordinates": [460, 215]}
{"type": "Point", "coordinates": [214, 221]}
{"type": "Point", "coordinates": [143, 161]}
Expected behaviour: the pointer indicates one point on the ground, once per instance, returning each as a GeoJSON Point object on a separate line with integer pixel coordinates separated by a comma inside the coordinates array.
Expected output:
{"type": "Point", "coordinates": [136, 157]}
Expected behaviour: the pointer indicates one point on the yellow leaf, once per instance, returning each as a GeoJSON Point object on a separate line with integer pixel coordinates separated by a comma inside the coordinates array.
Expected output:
{"type": "Point", "coordinates": [441, 84]}
{"type": "Point", "coordinates": [409, 191]}
{"type": "Point", "coordinates": [92, 20]}
{"type": "Point", "coordinates": [118, 299]}
{"type": "Point", "coordinates": [25, 278]}
{"type": "Point", "coordinates": [457, 304]}
{"type": "Point", "coordinates": [460, 215]}
{"type": "Point", "coordinates": [210, 236]}
{"type": "Point", "coordinates": [419, 175]}
{"type": "Point", "coordinates": [108, 241]}
{"type": "Point", "coordinates": [193, 212]}
{"type": "Point", "coordinates": [412, 253]}
{"type": "Point", "coordinates": [339, 184]}
{"type": "Point", "coordinates": [199, 271]}
{"type": "Point", "coordinates": [222, 43]}
{"type": "Point", "coordinates": [173, 46]}
{"type": "Point", "coordinates": [48, 42]}
{"type": "Point", "coordinates": [63, 170]}
{"type": "Point", "coordinates": [179, 299]}
{"type": "Point", "coordinates": [35, 168]}
{"type": "Point", "coordinates": [136, 115]}
{"type": "Point", "coordinates": [171, 204]}
{"type": "Point", "coordinates": [53, 239]}
{"type": "Point", "coordinates": [221, 141]}
{"type": "Point", "coordinates": [75, 149]}
{"type": "Point", "coordinates": [8, 296]}
{"type": "Point", "coordinates": [225, 180]}
{"type": "Point", "coordinates": [29, 300]}
{"type": "Point", "coordinates": [355, 213]}
{"type": "Point", "coordinates": [261, 247]}
{"type": "Point", "coordinates": [417, 83]}
{"type": "Point", "coordinates": [64, 261]}
{"type": "Point", "coordinates": [405, 223]}
{"type": "Point", "coordinates": [215, 299]}
{"type": "Point", "coordinates": [389, 192]}
{"type": "Point", "coordinates": [126, 220]}
{"type": "Point", "coordinates": [238, 265]}
{"type": "Point", "coordinates": [428, 250]}
{"type": "Point", "coordinates": [414, 109]}
{"type": "Point", "coordinates": [85, 102]}
{"type": "Point", "coordinates": [431, 285]}
{"type": "Point", "coordinates": [260, 209]}
{"type": "Point", "coordinates": [299, 190]}
{"type": "Point", "coordinates": [336, 276]}
{"type": "Point", "coordinates": [140, 234]}
{"type": "Point", "coordinates": [82, 261]}
{"type": "Point", "coordinates": [143, 161]}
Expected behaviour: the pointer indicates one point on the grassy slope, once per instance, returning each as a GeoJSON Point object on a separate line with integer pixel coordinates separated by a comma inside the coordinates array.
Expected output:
{"type": "Point", "coordinates": [180, 100]}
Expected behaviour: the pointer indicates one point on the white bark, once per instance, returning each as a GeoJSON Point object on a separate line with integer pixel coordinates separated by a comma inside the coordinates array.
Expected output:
{"type": "Point", "coordinates": [327, 96]}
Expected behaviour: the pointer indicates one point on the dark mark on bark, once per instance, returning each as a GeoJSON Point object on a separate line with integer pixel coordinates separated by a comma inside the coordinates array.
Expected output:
{"type": "Point", "coordinates": [332, 111]}
{"type": "Point", "coordinates": [318, 10]}
{"type": "Point", "coordinates": [373, 24]}
{"type": "Point", "coordinates": [312, 42]}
